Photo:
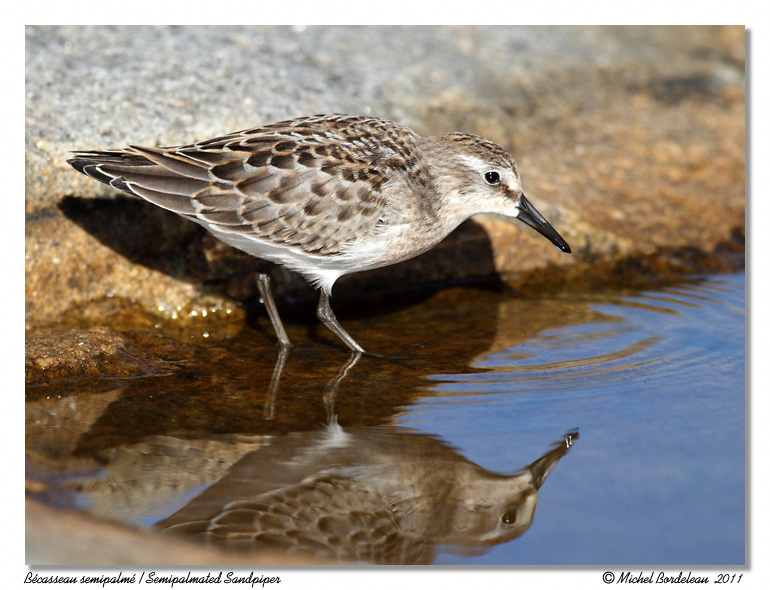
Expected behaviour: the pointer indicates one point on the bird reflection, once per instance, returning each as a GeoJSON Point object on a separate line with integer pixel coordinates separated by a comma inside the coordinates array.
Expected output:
{"type": "Point", "coordinates": [381, 495]}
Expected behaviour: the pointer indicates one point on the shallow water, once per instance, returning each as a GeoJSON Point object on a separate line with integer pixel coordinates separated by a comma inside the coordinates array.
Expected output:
{"type": "Point", "coordinates": [477, 384]}
{"type": "Point", "coordinates": [656, 383]}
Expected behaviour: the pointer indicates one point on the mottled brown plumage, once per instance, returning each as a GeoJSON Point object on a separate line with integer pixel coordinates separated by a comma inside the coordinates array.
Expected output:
{"type": "Point", "coordinates": [325, 195]}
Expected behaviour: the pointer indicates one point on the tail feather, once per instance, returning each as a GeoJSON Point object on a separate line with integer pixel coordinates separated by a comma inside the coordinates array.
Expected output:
{"type": "Point", "coordinates": [155, 177]}
{"type": "Point", "coordinates": [90, 163]}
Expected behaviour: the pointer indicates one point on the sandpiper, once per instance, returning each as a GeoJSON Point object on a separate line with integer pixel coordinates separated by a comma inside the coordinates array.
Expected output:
{"type": "Point", "coordinates": [326, 195]}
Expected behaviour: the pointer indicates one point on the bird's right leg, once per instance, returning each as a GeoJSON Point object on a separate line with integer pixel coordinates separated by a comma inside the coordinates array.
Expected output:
{"type": "Point", "coordinates": [326, 315]}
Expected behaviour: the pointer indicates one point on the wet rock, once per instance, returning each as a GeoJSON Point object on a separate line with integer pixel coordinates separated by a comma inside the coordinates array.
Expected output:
{"type": "Point", "coordinates": [60, 355]}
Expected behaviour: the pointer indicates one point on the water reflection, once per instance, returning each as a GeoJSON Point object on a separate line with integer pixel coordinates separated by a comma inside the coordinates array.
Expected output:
{"type": "Point", "coordinates": [330, 391]}
{"type": "Point", "coordinates": [375, 494]}
{"type": "Point", "coordinates": [379, 495]}
{"type": "Point", "coordinates": [657, 366]}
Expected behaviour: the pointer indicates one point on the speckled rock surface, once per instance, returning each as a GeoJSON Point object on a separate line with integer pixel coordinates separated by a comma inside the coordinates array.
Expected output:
{"type": "Point", "coordinates": [629, 140]}
{"type": "Point", "coordinates": [61, 355]}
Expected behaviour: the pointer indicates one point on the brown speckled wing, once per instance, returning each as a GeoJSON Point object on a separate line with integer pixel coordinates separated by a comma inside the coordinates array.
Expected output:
{"type": "Point", "coordinates": [313, 183]}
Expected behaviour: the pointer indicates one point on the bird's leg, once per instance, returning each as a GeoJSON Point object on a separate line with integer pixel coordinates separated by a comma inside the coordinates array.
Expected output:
{"type": "Point", "coordinates": [330, 392]}
{"type": "Point", "coordinates": [272, 391]}
{"type": "Point", "coordinates": [326, 315]}
{"type": "Point", "coordinates": [263, 284]}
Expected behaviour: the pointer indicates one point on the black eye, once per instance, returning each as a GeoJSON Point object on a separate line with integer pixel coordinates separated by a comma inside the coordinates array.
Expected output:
{"type": "Point", "coordinates": [509, 516]}
{"type": "Point", "coordinates": [492, 177]}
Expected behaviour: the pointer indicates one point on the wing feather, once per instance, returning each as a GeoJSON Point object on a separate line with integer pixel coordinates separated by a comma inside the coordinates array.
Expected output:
{"type": "Point", "coordinates": [311, 184]}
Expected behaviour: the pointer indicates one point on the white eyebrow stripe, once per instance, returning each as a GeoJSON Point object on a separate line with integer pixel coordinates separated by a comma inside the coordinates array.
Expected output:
{"type": "Point", "coordinates": [508, 178]}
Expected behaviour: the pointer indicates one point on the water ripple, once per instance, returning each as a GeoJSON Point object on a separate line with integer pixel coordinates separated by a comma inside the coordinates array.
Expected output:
{"type": "Point", "coordinates": [658, 337]}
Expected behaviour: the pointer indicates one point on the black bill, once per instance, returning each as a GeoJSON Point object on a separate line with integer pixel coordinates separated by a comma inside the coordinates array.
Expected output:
{"type": "Point", "coordinates": [529, 215]}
